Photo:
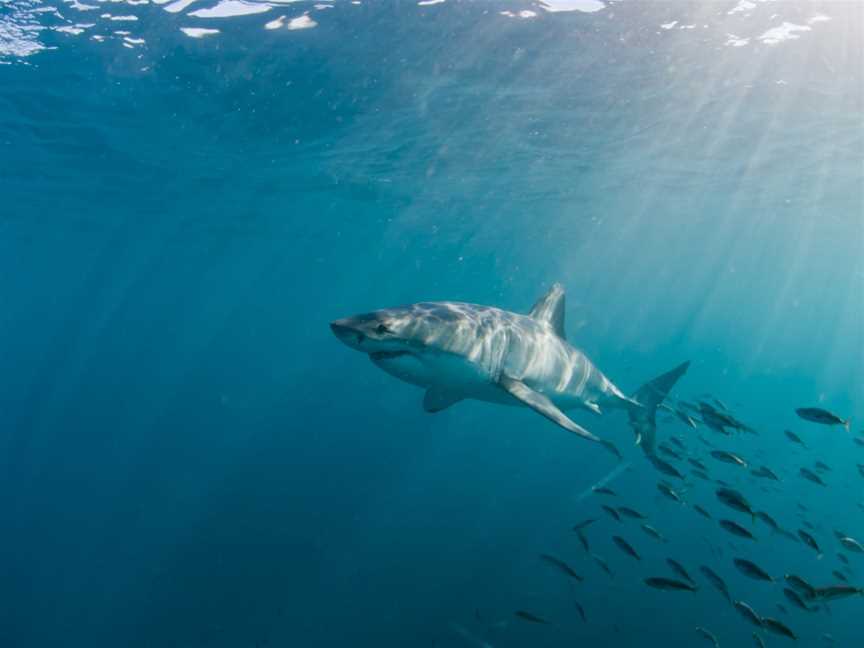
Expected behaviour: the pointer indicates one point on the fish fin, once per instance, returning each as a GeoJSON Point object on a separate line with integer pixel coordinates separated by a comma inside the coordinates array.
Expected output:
{"type": "Point", "coordinates": [436, 399]}
{"type": "Point", "coordinates": [542, 405]}
{"type": "Point", "coordinates": [649, 396]}
{"type": "Point", "coordinates": [550, 309]}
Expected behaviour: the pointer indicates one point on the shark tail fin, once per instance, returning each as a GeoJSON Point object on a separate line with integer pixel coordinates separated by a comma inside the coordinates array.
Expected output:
{"type": "Point", "coordinates": [649, 396]}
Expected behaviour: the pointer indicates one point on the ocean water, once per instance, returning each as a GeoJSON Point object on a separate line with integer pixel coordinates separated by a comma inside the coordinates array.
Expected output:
{"type": "Point", "coordinates": [189, 457]}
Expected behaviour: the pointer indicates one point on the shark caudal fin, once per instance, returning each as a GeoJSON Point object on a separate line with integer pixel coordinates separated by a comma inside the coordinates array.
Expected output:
{"type": "Point", "coordinates": [649, 396]}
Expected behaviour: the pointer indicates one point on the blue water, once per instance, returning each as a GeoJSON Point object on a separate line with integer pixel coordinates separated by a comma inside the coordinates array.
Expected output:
{"type": "Point", "coordinates": [188, 457]}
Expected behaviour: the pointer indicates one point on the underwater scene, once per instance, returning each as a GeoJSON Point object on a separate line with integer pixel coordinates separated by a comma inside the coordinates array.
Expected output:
{"type": "Point", "coordinates": [436, 323]}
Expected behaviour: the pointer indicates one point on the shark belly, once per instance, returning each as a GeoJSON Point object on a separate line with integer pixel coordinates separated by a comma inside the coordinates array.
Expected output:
{"type": "Point", "coordinates": [444, 371]}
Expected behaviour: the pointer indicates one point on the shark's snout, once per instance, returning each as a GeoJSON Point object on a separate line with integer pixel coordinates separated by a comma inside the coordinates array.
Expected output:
{"type": "Point", "coordinates": [347, 332]}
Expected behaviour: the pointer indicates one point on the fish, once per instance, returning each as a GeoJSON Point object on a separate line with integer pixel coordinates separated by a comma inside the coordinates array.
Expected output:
{"type": "Point", "coordinates": [624, 546]}
{"type": "Point", "coordinates": [584, 524]}
{"type": "Point", "coordinates": [603, 564]}
{"type": "Point", "coordinates": [840, 576]}
{"type": "Point", "coordinates": [669, 492]}
{"type": "Point", "coordinates": [851, 544]}
{"type": "Point", "coordinates": [612, 512]}
{"type": "Point", "coordinates": [678, 568]}
{"type": "Point", "coordinates": [662, 583]}
{"type": "Point", "coordinates": [665, 467]}
{"type": "Point", "coordinates": [821, 416]}
{"type": "Point", "coordinates": [654, 533]}
{"type": "Point", "coordinates": [752, 570]}
{"type": "Point", "coordinates": [630, 513]}
{"type": "Point", "coordinates": [736, 529]}
{"type": "Point", "coordinates": [603, 490]}
{"type": "Point", "coordinates": [669, 452]}
{"type": "Point", "coordinates": [767, 519]}
{"type": "Point", "coordinates": [728, 457]}
{"type": "Point", "coordinates": [805, 589]}
{"type": "Point", "coordinates": [581, 611]}
{"type": "Point", "coordinates": [757, 640]}
{"type": "Point", "coordinates": [765, 472]}
{"type": "Point", "coordinates": [748, 613]}
{"type": "Point", "coordinates": [715, 419]}
{"type": "Point", "coordinates": [795, 599]}
{"type": "Point", "coordinates": [686, 418]}
{"type": "Point", "coordinates": [678, 443]}
{"type": "Point", "coordinates": [808, 474]}
{"type": "Point", "coordinates": [837, 591]}
{"type": "Point", "coordinates": [810, 541]}
{"type": "Point", "coordinates": [457, 351]}
{"type": "Point", "coordinates": [697, 463]}
{"type": "Point", "coordinates": [735, 500]}
{"type": "Point", "coordinates": [822, 466]}
{"type": "Point", "coordinates": [710, 637]}
{"type": "Point", "coordinates": [858, 441]}
{"type": "Point", "coordinates": [842, 558]}
{"type": "Point", "coordinates": [701, 511]}
{"type": "Point", "coordinates": [528, 616]}
{"type": "Point", "coordinates": [583, 540]}
{"type": "Point", "coordinates": [860, 469]}
{"type": "Point", "coordinates": [561, 566]}
{"type": "Point", "coordinates": [701, 474]}
{"type": "Point", "coordinates": [794, 438]}
{"type": "Point", "coordinates": [778, 628]}
{"type": "Point", "coordinates": [715, 579]}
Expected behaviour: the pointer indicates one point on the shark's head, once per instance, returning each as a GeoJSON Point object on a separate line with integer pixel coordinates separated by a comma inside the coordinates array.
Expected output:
{"type": "Point", "coordinates": [397, 339]}
{"type": "Point", "coordinates": [379, 332]}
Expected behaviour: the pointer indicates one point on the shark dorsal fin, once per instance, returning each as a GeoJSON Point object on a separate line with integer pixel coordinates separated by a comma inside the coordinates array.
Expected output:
{"type": "Point", "coordinates": [550, 308]}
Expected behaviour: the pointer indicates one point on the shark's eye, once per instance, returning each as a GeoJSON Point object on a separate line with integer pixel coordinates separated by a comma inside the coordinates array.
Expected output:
{"type": "Point", "coordinates": [381, 329]}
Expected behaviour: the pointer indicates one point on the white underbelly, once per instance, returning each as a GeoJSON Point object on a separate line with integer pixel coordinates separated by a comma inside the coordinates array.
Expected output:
{"type": "Point", "coordinates": [446, 371]}
{"type": "Point", "coordinates": [456, 374]}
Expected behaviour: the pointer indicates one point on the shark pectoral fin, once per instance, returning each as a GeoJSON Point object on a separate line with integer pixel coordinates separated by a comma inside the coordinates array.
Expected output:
{"type": "Point", "coordinates": [436, 400]}
{"type": "Point", "coordinates": [541, 404]}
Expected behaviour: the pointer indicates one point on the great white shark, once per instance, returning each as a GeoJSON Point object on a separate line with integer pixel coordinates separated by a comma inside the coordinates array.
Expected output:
{"type": "Point", "coordinates": [457, 351]}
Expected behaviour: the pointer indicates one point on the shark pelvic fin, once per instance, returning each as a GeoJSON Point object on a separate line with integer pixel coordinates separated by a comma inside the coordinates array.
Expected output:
{"type": "Point", "coordinates": [550, 309]}
{"type": "Point", "coordinates": [436, 400]}
{"type": "Point", "coordinates": [542, 405]}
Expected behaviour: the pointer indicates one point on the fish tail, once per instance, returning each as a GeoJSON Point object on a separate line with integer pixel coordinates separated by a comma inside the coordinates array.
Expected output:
{"type": "Point", "coordinates": [847, 425]}
{"type": "Point", "coordinates": [643, 413]}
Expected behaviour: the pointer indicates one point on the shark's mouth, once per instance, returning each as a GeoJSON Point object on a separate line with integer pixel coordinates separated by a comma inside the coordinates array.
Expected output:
{"type": "Point", "coordinates": [388, 355]}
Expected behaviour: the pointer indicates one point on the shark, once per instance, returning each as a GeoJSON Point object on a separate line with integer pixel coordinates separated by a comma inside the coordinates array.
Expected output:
{"type": "Point", "coordinates": [457, 351]}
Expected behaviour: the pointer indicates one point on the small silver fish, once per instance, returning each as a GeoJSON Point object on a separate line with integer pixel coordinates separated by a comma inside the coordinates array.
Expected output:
{"type": "Point", "coordinates": [752, 570]}
{"type": "Point", "coordinates": [736, 529]}
{"type": "Point", "coordinates": [710, 637]}
{"type": "Point", "coordinates": [775, 626]}
{"type": "Point", "coordinates": [661, 583]}
{"type": "Point", "coordinates": [624, 546]}
{"type": "Point", "coordinates": [822, 416]}
{"type": "Point", "coordinates": [748, 613]}
{"type": "Point", "coordinates": [851, 544]}
{"type": "Point", "coordinates": [728, 457]}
